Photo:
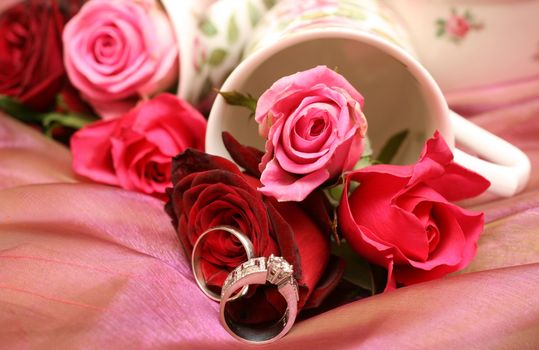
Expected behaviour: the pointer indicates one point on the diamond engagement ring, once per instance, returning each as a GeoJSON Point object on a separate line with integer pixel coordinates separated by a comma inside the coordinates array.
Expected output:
{"type": "Point", "coordinates": [274, 270]}
{"type": "Point", "coordinates": [197, 266]}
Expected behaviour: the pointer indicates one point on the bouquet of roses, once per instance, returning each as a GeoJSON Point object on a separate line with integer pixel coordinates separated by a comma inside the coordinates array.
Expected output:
{"type": "Point", "coordinates": [400, 220]}
{"type": "Point", "coordinates": [102, 68]}
{"type": "Point", "coordinates": [309, 223]}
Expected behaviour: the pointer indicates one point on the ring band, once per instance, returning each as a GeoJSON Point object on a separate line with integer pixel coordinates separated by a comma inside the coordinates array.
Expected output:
{"type": "Point", "coordinates": [196, 257]}
{"type": "Point", "coordinates": [275, 270]}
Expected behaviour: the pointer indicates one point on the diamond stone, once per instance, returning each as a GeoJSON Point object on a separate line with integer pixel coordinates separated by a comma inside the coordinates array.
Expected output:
{"type": "Point", "coordinates": [279, 270]}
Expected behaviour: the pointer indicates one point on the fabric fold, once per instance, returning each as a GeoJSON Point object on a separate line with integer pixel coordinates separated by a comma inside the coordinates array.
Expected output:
{"type": "Point", "coordinates": [92, 266]}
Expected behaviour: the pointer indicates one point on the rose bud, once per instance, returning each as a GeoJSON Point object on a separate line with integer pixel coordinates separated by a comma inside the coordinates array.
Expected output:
{"type": "Point", "coordinates": [135, 151]}
{"type": "Point", "coordinates": [457, 26]}
{"type": "Point", "coordinates": [402, 218]}
{"type": "Point", "coordinates": [314, 129]}
{"type": "Point", "coordinates": [211, 191]}
{"type": "Point", "coordinates": [119, 51]}
{"type": "Point", "coordinates": [31, 67]}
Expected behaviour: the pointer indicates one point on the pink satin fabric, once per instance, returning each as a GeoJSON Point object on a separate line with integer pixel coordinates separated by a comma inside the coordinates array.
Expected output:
{"type": "Point", "coordinates": [92, 266]}
{"type": "Point", "coordinates": [27, 157]}
{"type": "Point", "coordinates": [479, 99]}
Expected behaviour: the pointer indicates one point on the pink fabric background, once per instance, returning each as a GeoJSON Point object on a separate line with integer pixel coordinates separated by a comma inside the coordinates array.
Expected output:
{"type": "Point", "coordinates": [91, 266]}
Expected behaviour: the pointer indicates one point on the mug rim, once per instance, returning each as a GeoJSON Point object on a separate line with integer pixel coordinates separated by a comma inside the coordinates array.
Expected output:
{"type": "Point", "coordinates": [184, 36]}
{"type": "Point", "coordinates": [437, 106]}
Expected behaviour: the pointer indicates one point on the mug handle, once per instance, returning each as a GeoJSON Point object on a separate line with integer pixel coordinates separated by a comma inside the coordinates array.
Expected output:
{"type": "Point", "coordinates": [504, 165]}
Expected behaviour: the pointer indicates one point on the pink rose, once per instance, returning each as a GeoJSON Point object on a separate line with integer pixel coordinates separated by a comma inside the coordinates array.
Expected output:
{"type": "Point", "coordinates": [117, 51]}
{"type": "Point", "coordinates": [400, 217]}
{"type": "Point", "coordinates": [457, 26]}
{"type": "Point", "coordinates": [135, 150]}
{"type": "Point", "coordinates": [314, 130]}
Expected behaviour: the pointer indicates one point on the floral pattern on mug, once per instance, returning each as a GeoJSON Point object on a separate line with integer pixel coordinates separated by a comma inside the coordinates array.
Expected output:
{"type": "Point", "coordinates": [457, 26]}
{"type": "Point", "coordinates": [221, 30]}
{"type": "Point", "coordinates": [289, 17]}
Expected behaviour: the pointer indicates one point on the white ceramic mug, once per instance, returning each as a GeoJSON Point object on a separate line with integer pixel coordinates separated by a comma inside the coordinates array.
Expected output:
{"type": "Point", "coordinates": [362, 39]}
{"type": "Point", "coordinates": [211, 36]}
{"type": "Point", "coordinates": [472, 44]}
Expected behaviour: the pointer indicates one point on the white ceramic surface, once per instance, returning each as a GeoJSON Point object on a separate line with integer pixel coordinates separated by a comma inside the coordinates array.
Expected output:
{"type": "Point", "coordinates": [399, 94]}
{"type": "Point", "coordinates": [473, 44]}
{"type": "Point", "coordinates": [211, 37]}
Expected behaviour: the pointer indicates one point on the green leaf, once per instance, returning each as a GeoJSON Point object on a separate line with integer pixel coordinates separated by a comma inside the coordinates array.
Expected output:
{"type": "Point", "coordinates": [61, 103]}
{"type": "Point", "coordinates": [311, 16]}
{"type": "Point", "coordinates": [363, 162]}
{"type": "Point", "coordinates": [334, 194]}
{"type": "Point", "coordinates": [391, 147]}
{"type": "Point", "coordinates": [74, 121]}
{"type": "Point", "coordinates": [352, 13]}
{"type": "Point", "coordinates": [358, 270]}
{"type": "Point", "coordinates": [235, 98]}
{"type": "Point", "coordinates": [217, 56]}
{"type": "Point", "coordinates": [367, 149]}
{"type": "Point", "coordinates": [207, 27]}
{"type": "Point", "coordinates": [17, 110]}
{"type": "Point", "coordinates": [440, 30]}
{"type": "Point", "coordinates": [254, 13]}
{"type": "Point", "coordinates": [233, 31]}
{"type": "Point", "coordinates": [49, 121]}
{"type": "Point", "coordinates": [269, 3]}
{"type": "Point", "coordinates": [207, 87]}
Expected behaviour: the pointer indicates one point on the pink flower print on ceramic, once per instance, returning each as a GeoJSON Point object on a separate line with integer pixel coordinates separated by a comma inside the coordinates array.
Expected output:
{"type": "Point", "coordinates": [457, 26]}
{"type": "Point", "coordinates": [199, 54]}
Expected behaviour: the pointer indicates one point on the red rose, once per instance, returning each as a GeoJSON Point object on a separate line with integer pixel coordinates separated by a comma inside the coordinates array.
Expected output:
{"type": "Point", "coordinates": [209, 191]}
{"type": "Point", "coordinates": [71, 7]}
{"type": "Point", "coordinates": [31, 67]}
{"type": "Point", "coordinates": [400, 217]}
{"type": "Point", "coordinates": [135, 150]}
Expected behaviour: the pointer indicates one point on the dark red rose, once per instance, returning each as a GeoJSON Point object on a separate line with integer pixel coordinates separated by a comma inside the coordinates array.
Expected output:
{"type": "Point", "coordinates": [209, 191]}
{"type": "Point", "coordinates": [31, 66]}
{"type": "Point", "coordinates": [70, 7]}
{"type": "Point", "coordinates": [72, 102]}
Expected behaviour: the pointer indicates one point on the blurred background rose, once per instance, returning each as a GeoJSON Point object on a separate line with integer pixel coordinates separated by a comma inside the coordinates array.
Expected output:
{"type": "Point", "coordinates": [31, 68]}
{"type": "Point", "coordinates": [117, 52]}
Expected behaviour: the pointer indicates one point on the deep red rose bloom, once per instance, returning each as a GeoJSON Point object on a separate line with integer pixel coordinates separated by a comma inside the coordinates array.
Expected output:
{"type": "Point", "coordinates": [70, 7]}
{"type": "Point", "coordinates": [31, 66]}
{"type": "Point", "coordinates": [135, 151]}
{"type": "Point", "coordinates": [402, 218]}
{"type": "Point", "coordinates": [210, 191]}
